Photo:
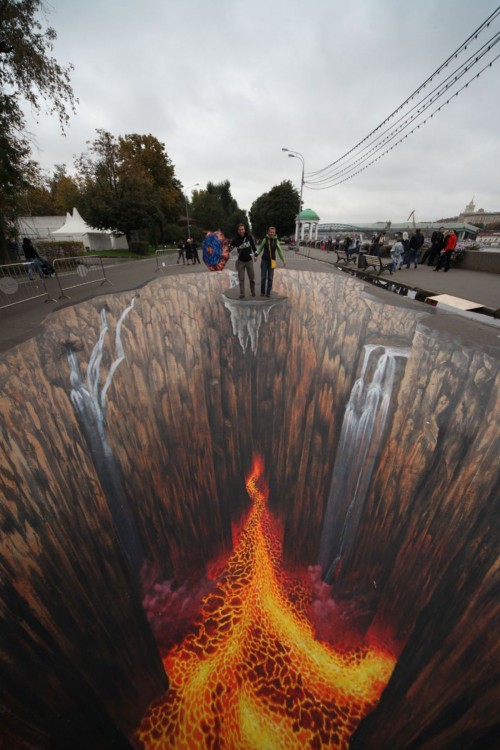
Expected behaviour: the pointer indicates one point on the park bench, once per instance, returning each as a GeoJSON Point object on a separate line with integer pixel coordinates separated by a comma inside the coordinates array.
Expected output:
{"type": "Point", "coordinates": [344, 257]}
{"type": "Point", "coordinates": [378, 265]}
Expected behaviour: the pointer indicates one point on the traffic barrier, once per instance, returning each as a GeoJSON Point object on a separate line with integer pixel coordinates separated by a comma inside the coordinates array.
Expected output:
{"type": "Point", "coordinates": [20, 282]}
{"type": "Point", "coordinates": [78, 271]}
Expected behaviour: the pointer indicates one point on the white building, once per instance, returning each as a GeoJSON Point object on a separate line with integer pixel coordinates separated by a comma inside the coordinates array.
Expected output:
{"type": "Point", "coordinates": [70, 228]}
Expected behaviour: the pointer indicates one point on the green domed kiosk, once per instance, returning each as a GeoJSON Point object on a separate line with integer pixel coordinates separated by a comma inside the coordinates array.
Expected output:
{"type": "Point", "coordinates": [307, 219]}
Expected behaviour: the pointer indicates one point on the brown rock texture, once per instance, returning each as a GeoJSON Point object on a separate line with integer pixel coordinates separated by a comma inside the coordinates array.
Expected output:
{"type": "Point", "coordinates": [185, 410]}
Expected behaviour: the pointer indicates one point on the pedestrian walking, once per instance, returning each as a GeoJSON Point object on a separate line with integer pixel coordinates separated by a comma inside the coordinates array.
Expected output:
{"type": "Point", "coordinates": [416, 242]}
{"type": "Point", "coordinates": [180, 250]}
{"type": "Point", "coordinates": [189, 252]}
{"type": "Point", "coordinates": [397, 252]}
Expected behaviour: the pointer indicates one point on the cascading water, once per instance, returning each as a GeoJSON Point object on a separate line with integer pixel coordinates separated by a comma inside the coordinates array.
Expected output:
{"type": "Point", "coordinates": [360, 440]}
{"type": "Point", "coordinates": [89, 403]}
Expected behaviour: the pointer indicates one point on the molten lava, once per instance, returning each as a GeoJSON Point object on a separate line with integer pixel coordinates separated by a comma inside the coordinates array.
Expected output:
{"type": "Point", "coordinates": [253, 675]}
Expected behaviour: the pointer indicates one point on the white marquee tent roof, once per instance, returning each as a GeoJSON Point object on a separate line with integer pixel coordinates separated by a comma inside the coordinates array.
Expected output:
{"type": "Point", "coordinates": [75, 225]}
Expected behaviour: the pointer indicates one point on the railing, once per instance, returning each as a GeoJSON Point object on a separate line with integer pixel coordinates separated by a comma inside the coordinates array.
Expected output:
{"type": "Point", "coordinates": [167, 257]}
{"type": "Point", "coordinates": [84, 269]}
{"type": "Point", "coordinates": [20, 282]}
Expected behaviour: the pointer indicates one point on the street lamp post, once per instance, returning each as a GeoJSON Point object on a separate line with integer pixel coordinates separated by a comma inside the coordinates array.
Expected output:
{"type": "Point", "coordinates": [187, 212]}
{"type": "Point", "coordinates": [297, 155]}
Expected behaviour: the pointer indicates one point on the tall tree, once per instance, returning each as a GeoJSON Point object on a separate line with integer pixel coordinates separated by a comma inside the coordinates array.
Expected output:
{"type": "Point", "coordinates": [206, 210]}
{"type": "Point", "coordinates": [64, 190]}
{"type": "Point", "coordinates": [277, 208]}
{"type": "Point", "coordinates": [216, 208]}
{"type": "Point", "coordinates": [28, 73]}
{"type": "Point", "coordinates": [128, 184]}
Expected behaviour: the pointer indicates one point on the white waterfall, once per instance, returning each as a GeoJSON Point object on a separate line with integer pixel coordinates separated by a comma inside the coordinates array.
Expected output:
{"type": "Point", "coordinates": [89, 402]}
{"type": "Point", "coordinates": [86, 399]}
{"type": "Point", "coordinates": [360, 440]}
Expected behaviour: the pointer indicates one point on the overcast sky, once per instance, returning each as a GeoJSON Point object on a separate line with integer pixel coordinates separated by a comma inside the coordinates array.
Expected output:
{"type": "Point", "coordinates": [226, 84]}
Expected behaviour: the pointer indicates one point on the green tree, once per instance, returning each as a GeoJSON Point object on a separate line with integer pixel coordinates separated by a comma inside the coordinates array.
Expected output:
{"type": "Point", "coordinates": [128, 184]}
{"type": "Point", "coordinates": [277, 208]}
{"type": "Point", "coordinates": [216, 208]}
{"type": "Point", "coordinates": [28, 73]}
{"type": "Point", "coordinates": [206, 210]}
{"type": "Point", "coordinates": [65, 191]}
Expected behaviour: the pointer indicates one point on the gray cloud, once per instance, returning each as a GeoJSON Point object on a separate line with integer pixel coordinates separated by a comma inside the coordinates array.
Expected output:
{"type": "Point", "coordinates": [226, 84]}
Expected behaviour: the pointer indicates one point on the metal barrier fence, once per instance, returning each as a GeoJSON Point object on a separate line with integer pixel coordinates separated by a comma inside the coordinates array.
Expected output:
{"type": "Point", "coordinates": [165, 258]}
{"type": "Point", "coordinates": [84, 269]}
{"type": "Point", "coordinates": [20, 282]}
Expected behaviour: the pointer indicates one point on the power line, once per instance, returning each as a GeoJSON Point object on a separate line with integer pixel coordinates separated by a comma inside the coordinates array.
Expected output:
{"type": "Point", "coordinates": [454, 55]}
{"type": "Point", "coordinates": [325, 187]}
{"type": "Point", "coordinates": [421, 107]}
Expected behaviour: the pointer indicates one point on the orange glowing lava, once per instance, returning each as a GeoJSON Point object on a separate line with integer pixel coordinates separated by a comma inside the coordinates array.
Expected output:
{"type": "Point", "coordinates": [253, 675]}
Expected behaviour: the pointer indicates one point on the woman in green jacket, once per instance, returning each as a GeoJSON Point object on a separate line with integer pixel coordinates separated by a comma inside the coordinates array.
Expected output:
{"type": "Point", "coordinates": [268, 247]}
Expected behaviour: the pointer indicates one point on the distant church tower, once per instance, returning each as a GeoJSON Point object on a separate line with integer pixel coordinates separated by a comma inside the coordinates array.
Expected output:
{"type": "Point", "coordinates": [470, 207]}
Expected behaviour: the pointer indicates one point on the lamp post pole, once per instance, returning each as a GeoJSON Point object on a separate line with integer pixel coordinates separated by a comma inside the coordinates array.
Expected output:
{"type": "Point", "coordinates": [297, 155]}
{"type": "Point", "coordinates": [187, 212]}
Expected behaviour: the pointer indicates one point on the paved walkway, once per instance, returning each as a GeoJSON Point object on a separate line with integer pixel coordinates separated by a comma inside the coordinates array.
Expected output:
{"type": "Point", "coordinates": [475, 286]}
{"type": "Point", "coordinates": [22, 321]}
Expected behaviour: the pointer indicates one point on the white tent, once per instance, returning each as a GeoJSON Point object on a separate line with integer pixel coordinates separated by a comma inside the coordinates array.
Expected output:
{"type": "Point", "coordinates": [75, 228]}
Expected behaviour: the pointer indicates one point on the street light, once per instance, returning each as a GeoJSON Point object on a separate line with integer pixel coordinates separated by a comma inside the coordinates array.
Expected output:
{"type": "Point", "coordinates": [297, 155]}
{"type": "Point", "coordinates": [185, 201]}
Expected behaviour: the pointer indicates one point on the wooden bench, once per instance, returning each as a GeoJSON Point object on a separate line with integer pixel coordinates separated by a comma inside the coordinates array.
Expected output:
{"type": "Point", "coordinates": [344, 257]}
{"type": "Point", "coordinates": [378, 265]}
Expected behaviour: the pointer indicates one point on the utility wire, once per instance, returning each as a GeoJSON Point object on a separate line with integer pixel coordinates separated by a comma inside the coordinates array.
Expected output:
{"type": "Point", "coordinates": [421, 107]}
{"type": "Point", "coordinates": [325, 187]}
{"type": "Point", "coordinates": [455, 54]}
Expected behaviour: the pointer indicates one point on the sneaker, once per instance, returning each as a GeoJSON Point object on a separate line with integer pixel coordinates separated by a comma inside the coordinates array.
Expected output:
{"type": "Point", "coordinates": [242, 296]}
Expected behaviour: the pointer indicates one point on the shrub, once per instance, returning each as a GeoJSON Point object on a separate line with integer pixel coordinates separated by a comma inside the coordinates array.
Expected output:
{"type": "Point", "coordinates": [52, 250]}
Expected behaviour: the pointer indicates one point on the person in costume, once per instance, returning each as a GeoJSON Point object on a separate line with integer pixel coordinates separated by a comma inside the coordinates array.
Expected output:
{"type": "Point", "coordinates": [215, 250]}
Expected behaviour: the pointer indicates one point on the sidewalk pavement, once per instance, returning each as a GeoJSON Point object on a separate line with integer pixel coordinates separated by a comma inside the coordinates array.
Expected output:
{"type": "Point", "coordinates": [22, 321]}
{"type": "Point", "coordinates": [475, 286]}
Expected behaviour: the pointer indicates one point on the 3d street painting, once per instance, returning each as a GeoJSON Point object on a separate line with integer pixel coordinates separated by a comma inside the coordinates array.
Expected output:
{"type": "Point", "coordinates": [257, 525]}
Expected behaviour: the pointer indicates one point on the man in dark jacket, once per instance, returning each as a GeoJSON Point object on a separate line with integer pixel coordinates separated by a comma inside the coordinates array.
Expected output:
{"type": "Point", "coordinates": [245, 247]}
{"type": "Point", "coordinates": [437, 244]}
{"type": "Point", "coordinates": [34, 260]}
{"type": "Point", "coordinates": [416, 242]}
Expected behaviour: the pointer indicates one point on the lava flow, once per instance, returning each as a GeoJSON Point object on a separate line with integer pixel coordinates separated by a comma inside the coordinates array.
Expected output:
{"type": "Point", "coordinates": [253, 675]}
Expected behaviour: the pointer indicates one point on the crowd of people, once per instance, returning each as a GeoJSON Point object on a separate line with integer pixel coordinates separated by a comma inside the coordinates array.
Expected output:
{"type": "Point", "coordinates": [188, 252]}
{"type": "Point", "coordinates": [406, 251]}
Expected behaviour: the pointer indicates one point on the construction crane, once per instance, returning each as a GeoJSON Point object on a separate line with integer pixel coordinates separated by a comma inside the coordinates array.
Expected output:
{"type": "Point", "coordinates": [412, 216]}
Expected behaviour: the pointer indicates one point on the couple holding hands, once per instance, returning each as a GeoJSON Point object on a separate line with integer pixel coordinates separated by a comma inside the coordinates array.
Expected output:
{"type": "Point", "coordinates": [247, 255]}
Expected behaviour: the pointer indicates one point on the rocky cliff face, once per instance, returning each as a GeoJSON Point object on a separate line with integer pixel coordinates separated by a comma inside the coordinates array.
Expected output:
{"type": "Point", "coordinates": [159, 451]}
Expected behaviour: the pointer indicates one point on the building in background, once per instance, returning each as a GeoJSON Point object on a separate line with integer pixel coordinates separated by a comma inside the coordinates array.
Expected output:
{"type": "Point", "coordinates": [70, 228]}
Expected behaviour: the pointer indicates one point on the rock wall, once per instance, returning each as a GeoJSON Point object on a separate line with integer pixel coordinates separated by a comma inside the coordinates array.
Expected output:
{"type": "Point", "coordinates": [184, 411]}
